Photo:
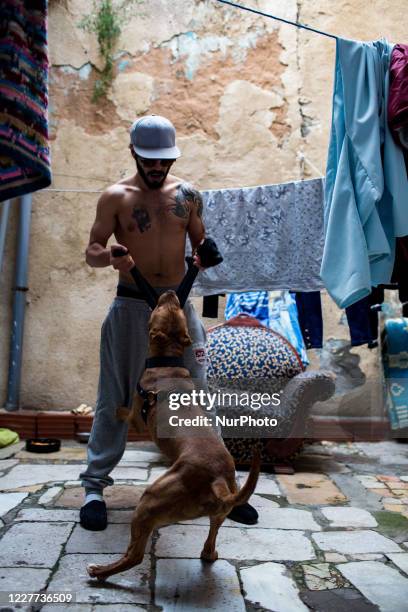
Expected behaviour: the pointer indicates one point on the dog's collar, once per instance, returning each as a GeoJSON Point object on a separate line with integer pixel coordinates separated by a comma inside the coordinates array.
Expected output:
{"type": "Point", "coordinates": [150, 399]}
{"type": "Point", "coordinates": [164, 362]}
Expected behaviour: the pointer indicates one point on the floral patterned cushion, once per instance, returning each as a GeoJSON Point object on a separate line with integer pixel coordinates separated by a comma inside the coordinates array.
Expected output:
{"type": "Point", "coordinates": [247, 355]}
{"type": "Point", "coordinates": [244, 352]}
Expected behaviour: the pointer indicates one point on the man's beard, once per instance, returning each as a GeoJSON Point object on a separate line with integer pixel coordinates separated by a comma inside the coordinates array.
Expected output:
{"type": "Point", "coordinates": [151, 183]}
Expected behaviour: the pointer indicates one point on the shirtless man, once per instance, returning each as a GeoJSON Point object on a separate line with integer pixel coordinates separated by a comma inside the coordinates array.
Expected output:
{"type": "Point", "coordinates": [150, 215]}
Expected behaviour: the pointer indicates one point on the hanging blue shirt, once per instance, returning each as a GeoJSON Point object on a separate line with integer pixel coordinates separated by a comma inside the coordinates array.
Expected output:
{"type": "Point", "coordinates": [366, 190]}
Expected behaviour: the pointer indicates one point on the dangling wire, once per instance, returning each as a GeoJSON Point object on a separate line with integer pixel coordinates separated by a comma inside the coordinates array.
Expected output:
{"type": "Point", "coordinates": [294, 23]}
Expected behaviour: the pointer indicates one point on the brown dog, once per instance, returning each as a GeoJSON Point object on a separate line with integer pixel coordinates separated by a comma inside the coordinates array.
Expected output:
{"type": "Point", "coordinates": [201, 479]}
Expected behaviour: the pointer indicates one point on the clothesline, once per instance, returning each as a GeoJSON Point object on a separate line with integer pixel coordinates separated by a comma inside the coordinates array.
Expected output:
{"type": "Point", "coordinates": [75, 190]}
{"type": "Point", "coordinates": [92, 178]}
{"type": "Point", "coordinates": [302, 158]}
{"type": "Point", "coordinates": [294, 23]}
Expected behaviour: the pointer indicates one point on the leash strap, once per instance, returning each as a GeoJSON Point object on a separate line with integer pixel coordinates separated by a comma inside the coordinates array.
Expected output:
{"type": "Point", "coordinates": [185, 286]}
{"type": "Point", "coordinates": [145, 287]}
{"type": "Point", "coordinates": [150, 294]}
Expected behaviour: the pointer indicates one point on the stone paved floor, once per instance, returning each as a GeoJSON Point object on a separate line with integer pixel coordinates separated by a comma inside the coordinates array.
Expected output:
{"type": "Point", "coordinates": [331, 537]}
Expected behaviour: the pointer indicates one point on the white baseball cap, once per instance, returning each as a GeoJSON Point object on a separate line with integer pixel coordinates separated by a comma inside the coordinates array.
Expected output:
{"type": "Point", "coordinates": [154, 137]}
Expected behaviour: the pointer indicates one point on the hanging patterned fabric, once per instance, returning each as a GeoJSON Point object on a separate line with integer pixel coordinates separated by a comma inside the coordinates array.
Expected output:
{"type": "Point", "coordinates": [24, 147]}
{"type": "Point", "coordinates": [271, 238]}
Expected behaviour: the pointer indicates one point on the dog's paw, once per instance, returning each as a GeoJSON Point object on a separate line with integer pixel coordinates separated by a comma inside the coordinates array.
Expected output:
{"type": "Point", "coordinates": [210, 557]}
{"type": "Point", "coordinates": [95, 571]}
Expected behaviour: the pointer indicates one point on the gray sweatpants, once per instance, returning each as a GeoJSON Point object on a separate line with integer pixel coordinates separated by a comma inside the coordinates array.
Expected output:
{"type": "Point", "coordinates": [124, 346]}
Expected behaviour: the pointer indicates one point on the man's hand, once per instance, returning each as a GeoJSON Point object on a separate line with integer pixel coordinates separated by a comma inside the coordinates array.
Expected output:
{"type": "Point", "coordinates": [207, 255]}
{"type": "Point", "coordinates": [120, 258]}
{"type": "Point", "coordinates": [197, 262]}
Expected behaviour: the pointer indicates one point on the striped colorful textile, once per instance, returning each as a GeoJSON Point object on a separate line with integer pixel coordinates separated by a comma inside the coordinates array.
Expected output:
{"type": "Point", "coordinates": [254, 303]}
{"type": "Point", "coordinates": [24, 147]}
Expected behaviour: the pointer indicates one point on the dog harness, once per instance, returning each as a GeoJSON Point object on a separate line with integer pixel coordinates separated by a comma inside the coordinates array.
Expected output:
{"type": "Point", "coordinates": [150, 397]}
{"type": "Point", "coordinates": [149, 400]}
{"type": "Point", "coordinates": [164, 362]}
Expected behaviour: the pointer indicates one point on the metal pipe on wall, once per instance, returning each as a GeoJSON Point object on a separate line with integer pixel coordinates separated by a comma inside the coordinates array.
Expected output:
{"type": "Point", "coordinates": [4, 216]}
{"type": "Point", "coordinates": [19, 304]}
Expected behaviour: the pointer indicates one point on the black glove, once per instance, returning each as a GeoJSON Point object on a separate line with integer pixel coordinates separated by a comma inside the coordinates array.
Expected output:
{"type": "Point", "coordinates": [209, 253]}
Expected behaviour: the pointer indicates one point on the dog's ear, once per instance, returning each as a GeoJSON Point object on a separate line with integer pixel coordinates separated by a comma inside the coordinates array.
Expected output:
{"type": "Point", "coordinates": [156, 335]}
{"type": "Point", "coordinates": [186, 340]}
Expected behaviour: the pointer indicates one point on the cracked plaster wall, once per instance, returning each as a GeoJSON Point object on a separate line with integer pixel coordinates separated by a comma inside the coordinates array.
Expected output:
{"type": "Point", "coordinates": [246, 95]}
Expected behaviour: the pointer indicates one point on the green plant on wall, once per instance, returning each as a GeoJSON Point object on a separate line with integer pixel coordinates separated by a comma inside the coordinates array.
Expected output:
{"type": "Point", "coordinates": [106, 21]}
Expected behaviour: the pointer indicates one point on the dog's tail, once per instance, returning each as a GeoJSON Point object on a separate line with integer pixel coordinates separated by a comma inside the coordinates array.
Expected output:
{"type": "Point", "coordinates": [223, 493]}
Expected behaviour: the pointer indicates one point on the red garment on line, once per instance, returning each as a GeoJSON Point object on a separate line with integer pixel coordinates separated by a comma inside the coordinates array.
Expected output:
{"type": "Point", "coordinates": [398, 91]}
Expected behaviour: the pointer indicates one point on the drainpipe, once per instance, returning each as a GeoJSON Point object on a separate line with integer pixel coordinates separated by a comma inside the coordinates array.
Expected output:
{"type": "Point", "coordinates": [4, 215]}
{"type": "Point", "coordinates": [20, 289]}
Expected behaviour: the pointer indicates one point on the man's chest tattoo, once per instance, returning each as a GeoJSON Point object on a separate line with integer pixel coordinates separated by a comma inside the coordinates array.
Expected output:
{"type": "Point", "coordinates": [185, 196]}
{"type": "Point", "coordinates": [142, 219]}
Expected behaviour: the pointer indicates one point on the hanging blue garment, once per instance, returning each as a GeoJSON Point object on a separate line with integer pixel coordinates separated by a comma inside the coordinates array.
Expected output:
{"type": "Point", "coordinates": [276, 309]}
{"type": "Point", "coordinates": [395, 359]}
{"type": "Point", "coordinates": [254, 303]}
{"type": "Point", "coordinates": [283, 318]}
{"type": "Point", "coordinates": [366, 189]}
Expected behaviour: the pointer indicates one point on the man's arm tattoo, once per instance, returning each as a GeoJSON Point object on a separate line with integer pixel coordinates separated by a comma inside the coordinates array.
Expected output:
{"type": "Point", "coordinates": [184, 195]}
{"type": "Point", "coordinates": [142, 219]}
